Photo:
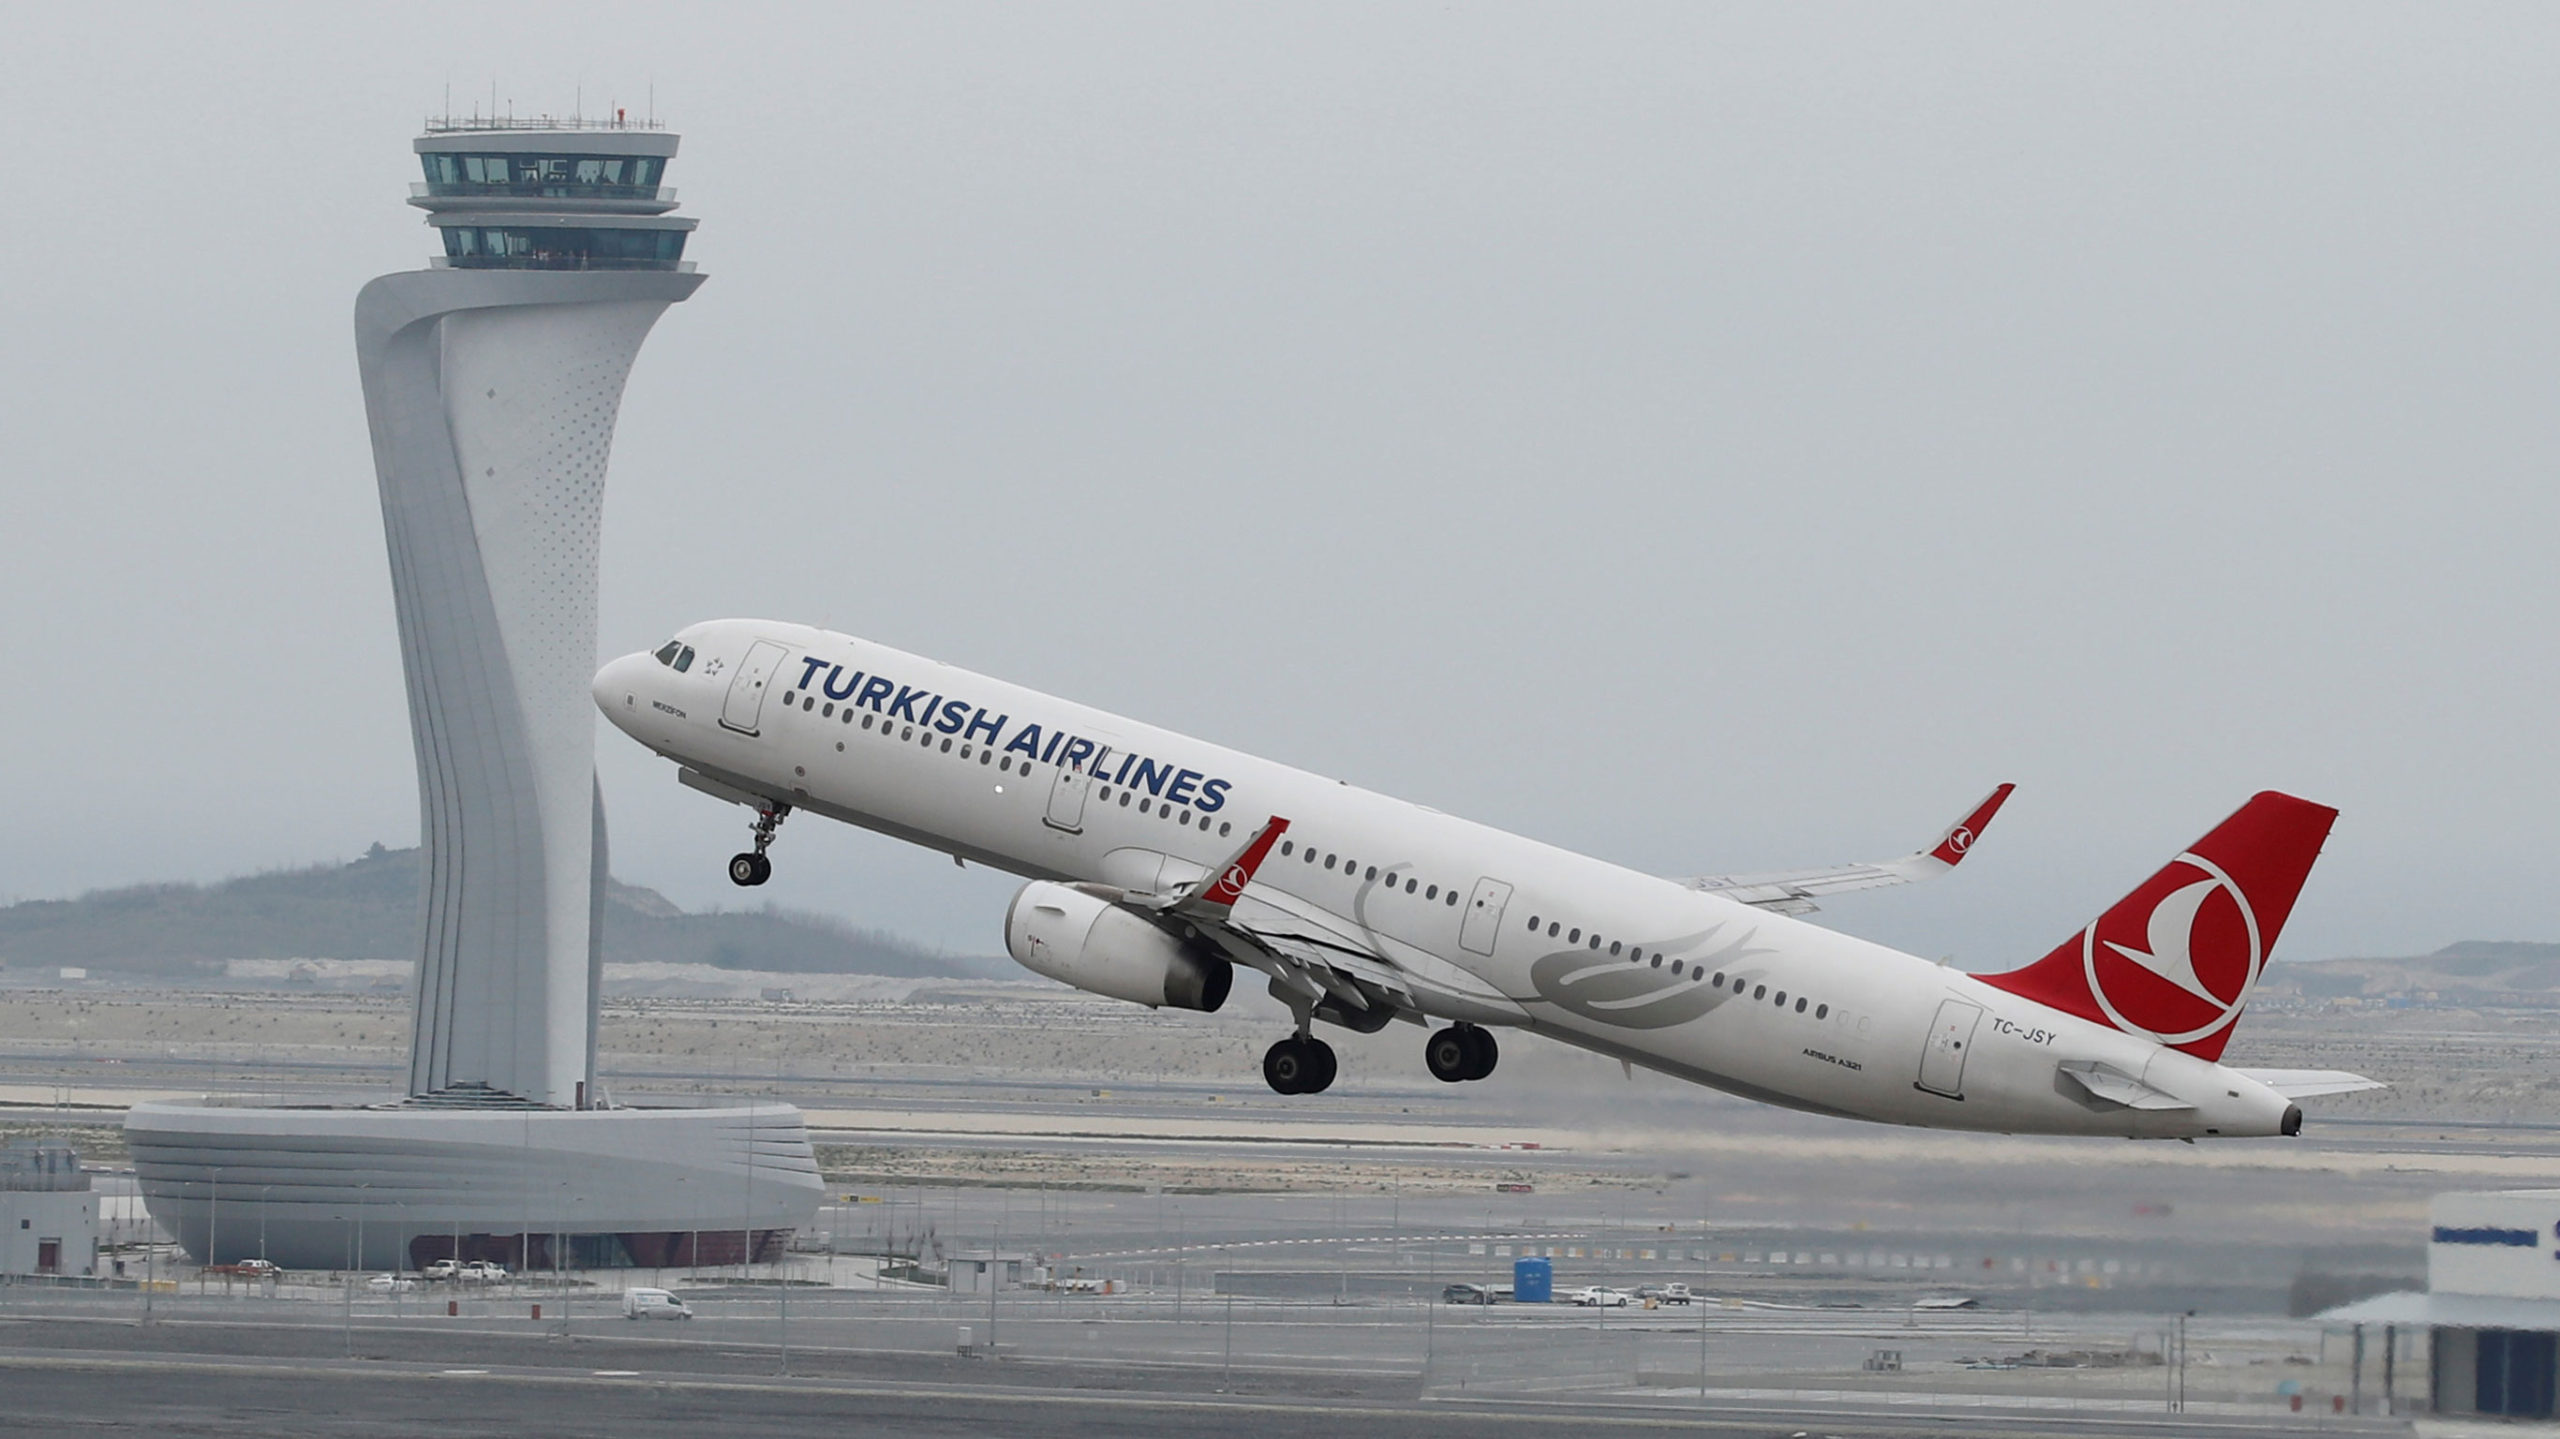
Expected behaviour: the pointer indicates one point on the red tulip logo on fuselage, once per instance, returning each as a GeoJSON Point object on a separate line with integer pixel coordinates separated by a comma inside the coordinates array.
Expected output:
{"type": "Point", "coordinates": [2187, 970]}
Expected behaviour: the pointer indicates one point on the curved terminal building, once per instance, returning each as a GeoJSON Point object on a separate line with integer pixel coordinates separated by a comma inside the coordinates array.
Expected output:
{"type": "Point", "coordinates": [493, 380]}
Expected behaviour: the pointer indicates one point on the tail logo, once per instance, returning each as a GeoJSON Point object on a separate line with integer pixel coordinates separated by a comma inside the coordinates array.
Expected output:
{"type": "Point", "coordinates": [1960, 839]}
{"type": "Point", "coordinates": [2190, 970]}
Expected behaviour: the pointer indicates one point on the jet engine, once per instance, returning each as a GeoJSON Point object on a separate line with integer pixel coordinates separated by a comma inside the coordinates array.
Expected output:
{"type": "Point", "coordinates": [1079, 939]}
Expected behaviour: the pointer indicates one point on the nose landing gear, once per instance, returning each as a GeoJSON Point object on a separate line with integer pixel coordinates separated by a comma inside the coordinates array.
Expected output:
{"type": "Point", "coordinates": [752, 868]}
{"type": "Point", "coordinates": [1461, 1052]}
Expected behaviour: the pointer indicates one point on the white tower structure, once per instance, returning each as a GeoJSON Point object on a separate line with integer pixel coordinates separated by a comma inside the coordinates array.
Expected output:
{"type": "Point", "coordinates": [492, 382]}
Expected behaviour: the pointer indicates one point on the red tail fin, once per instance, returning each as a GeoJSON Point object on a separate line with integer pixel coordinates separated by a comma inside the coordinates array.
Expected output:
{"type": "Point", "coordinates": [2176, 959]}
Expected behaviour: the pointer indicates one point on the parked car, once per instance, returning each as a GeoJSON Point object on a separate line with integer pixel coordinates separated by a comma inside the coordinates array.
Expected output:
{"type": "Point", "coordinates": [1600, 1296]}
{"type": "Point", "coordinates": [391, 1284]}
{"type": "Point", "coordinates": [1665, 1293]}
{"type": "Point", "coordinates": [653, 1304]}
{"type": "Point", "coordinates": [442, 1269]}
{"type": "Point", "coordinates": [480, 1271]}
{"type": "Point", "coordinates": [1466, 1294]}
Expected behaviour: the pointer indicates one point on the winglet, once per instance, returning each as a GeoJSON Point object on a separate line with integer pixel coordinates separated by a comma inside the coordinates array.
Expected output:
{"type": "Point", "coordinates": [1238, 871]}
{"type": "Point", "coordinates": [1959, 838]}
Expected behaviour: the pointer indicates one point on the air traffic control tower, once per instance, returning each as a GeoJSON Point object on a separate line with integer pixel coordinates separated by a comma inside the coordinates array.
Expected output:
{"type": "Point", "coordinates": [492, 380]}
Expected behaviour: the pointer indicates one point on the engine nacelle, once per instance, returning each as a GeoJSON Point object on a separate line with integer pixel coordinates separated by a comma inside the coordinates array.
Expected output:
{"type": "Point", "coordinates": [1075, 938]}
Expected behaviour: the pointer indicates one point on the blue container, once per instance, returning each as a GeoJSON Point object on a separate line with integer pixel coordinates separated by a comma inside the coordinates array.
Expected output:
{"type": "Point", "coordinates": [1533, 1281]}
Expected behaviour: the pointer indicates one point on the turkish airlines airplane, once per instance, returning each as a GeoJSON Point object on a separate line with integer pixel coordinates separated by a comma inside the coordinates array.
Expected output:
{"type": "Point", "coordinates": [1160, 864]}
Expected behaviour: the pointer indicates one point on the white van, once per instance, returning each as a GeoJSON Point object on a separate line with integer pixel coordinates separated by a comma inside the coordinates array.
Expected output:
{"type": "Point", "coordinates": [653, 1304]}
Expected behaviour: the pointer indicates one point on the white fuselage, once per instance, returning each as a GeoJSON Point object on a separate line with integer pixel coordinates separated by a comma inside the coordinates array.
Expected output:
{"type": "Point", "coordinates": [1486, 927]}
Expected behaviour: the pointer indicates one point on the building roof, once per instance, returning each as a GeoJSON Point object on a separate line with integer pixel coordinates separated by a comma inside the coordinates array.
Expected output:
{"type": "Point", "coordinates": [2448, 1311]}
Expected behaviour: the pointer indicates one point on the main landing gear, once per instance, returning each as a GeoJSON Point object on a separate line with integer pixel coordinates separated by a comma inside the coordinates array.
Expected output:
{"type": "Point", "coordinates": [1461, 1052]}
{"type": "Point", "coordinates": [1300, 1064]}
{"type": "Point", "coordinates": [752, 868]}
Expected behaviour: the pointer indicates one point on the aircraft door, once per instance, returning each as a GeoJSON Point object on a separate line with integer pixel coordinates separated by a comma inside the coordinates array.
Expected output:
{"type": "Point", "coordinates": [1484, 915]}
{"type": "Point", "coordinates": [1942, 1063]}
{"type": "Point", "coordinates": [744, 708]}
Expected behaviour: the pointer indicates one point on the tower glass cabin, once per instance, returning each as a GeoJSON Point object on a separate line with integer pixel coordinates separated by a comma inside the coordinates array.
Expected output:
{"type": "Point", "coordinates": [550, 196]}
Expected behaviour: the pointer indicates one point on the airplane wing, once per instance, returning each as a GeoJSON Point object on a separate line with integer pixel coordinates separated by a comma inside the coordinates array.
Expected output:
{"type": "Point", "coordinates": [1317, 966]}
{"type": "Point", "coordinates": [2312, 1083]}
{"type": "Point", "coordinates": [1794, 891]}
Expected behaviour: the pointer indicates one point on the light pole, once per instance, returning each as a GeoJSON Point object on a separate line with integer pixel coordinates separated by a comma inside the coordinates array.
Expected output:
{"type": "Point", "coordinates": [263, 1191]}
{"type": "Point", "coordinates": [213, 1223]}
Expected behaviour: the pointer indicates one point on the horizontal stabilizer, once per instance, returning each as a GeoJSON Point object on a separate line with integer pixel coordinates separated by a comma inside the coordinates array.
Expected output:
{"type": "Point", "coordinates": [2117, 1087]}
{"type": "Point", "coordinates": [2312, 1083]}
{"type": "Point", "coordinates": [1794, 891]}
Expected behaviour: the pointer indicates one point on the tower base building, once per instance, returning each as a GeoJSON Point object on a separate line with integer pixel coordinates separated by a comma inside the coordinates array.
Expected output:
{"type": "Point", "coordinates": [492, 381]}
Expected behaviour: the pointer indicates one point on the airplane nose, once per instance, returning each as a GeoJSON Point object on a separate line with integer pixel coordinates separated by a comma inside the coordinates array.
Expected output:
{"type": "Point", "coordinates": [617, 687]}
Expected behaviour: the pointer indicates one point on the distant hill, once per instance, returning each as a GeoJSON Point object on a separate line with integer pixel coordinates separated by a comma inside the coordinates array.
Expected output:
{"type": "Point", "coordinates": [369, 910]}
{"type": "Point", "coordinates": [2474, 972]}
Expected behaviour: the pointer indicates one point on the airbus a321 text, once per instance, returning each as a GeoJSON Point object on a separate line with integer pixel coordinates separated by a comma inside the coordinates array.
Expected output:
{"type": "Point", "coordinates": [1159, 865]}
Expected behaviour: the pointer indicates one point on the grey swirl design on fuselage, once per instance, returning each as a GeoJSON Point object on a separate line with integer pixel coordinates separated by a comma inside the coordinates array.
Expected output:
{"type": "Point", "coordinates": [1638, 996]}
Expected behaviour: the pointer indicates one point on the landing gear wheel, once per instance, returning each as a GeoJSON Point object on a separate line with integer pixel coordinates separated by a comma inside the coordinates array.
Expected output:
{"type": "Point", "coordinates": [1322, 1054]}
{"type": "Point", "coordinates": [752, 868]}
{"type": "Point", "coordinates": [1298, 1066]}
{"type": "Point", "coordinates": [1461, 1052]}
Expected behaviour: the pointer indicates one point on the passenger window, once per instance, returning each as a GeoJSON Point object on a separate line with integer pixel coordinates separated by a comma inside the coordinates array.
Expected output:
{"type": "Point", "coordinates": [1615, 946]}
{"type": "Point", "coordinates": [1719, 979]}
{"type": "Point", "coordinates": [1760, 993]}
{"type": "Point", "coordinates": [1225, 828]}
{"type": "Point", "coordinates": [1391, 879]}
{"type": "Point", "coordinates": [1006, 766]}
{"type": "Point", "coordinates": [1782, 999]}
{"type": "Point", "coordinates": [1183, 819]}
{"type": "Point", "coordinates": [1551, 929]}
{"type": "Point", "coordinates": [1328, 861]}
{"type": "Point", "coordinates": [866, 721]}
{"type": "Point", "coordinates": [1452, 900]}
{"type": "Point", "coordinates": [1146, 806]}
{"type": "Point", "coordinates": [1595, 939]}
{"type": "Point", "coordinates": [1372, 874]}
{"type": "Point", "coordinates": [1675, 965]}
{"type": "Point", "coordinates": [1573, 938]}
{"type": "Point", "coordinates": [848, 714]}
{"type": "Point", "coordinates": [946, 746]}
{"type": "Point", "coordinates": [1822, 1011]}
{"type": "Point", "coordinates": [1533, 924]}
{"type": "Point", "coordinates": [964, 751]}
{"type": "Point", "coordinates": [1411, 885]}
{"type": "Point", "coordinates": [828, 713]}
{"type": "Point", "coordinates": [985, 755]}
{"type": "Point", "coordinates": [1288, 847]}
{"type": "Point", "coordinates": [1106, 794]}
{"type": "Point", "coordinates": [1799, 1004]}
{"type": "Point", "coordinates": [1657, 962]}
{"type": "Point", "coordinates": [1124, 799]}
{"type": "Point", "coordinates": [907, 734]}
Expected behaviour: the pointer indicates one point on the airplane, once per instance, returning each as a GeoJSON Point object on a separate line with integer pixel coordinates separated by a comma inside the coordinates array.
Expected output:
{"type": "Point", "coordinates": [1158, 865]}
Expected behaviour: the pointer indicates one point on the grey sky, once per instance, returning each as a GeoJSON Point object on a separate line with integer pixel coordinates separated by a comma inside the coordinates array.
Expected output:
{"type": "Point", "coordinates": [1712, 438]}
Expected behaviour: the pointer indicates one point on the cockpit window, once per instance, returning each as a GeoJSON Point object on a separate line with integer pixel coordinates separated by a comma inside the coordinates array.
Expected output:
{"type": "Point", "coordinates": [684, 661]}
{"type": "Point", "coordinates": [666, 654]}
